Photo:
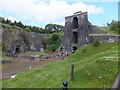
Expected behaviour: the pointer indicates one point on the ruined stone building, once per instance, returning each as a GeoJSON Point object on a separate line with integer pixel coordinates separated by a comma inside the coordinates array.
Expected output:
{"type": "Point", "coordinates": [15, 40]}
{"type": "Point", "coordinates": [80, 32]}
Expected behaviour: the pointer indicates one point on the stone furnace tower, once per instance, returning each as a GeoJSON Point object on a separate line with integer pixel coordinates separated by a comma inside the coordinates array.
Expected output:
{"type": "Point", "coordinates": [76, 32]}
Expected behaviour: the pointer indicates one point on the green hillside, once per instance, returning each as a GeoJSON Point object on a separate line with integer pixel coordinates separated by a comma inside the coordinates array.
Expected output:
{"type": "Point", "coordinates": [111, 28]}
{"type": "Point", "coordinates": [95, 67]}
{"type": "Point", "coordinates": [107, 29]}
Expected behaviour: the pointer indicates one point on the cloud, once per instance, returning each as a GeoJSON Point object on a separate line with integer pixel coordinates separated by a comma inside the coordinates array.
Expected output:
{"type": "Point", "coordinates": [43, 12]}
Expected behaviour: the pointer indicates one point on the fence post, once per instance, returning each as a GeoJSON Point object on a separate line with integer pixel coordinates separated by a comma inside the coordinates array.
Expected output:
{"type": "Point", "coordinates": [30, 67]}
{"type": "Point", "coordinates": [72, 71]}
{"type": "Point", "coordinates": [65, 85]}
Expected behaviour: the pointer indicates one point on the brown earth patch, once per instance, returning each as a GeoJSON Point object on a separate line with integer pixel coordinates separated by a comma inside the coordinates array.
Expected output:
{"type": "Point", "coordinates": [18, 65]}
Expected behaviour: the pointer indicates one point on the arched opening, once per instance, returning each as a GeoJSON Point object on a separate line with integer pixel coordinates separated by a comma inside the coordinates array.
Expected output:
{"type": "Point", "coordinates": [17, 49]}
{"type": "Point", "coordinates": [74, 48]}
{"type": "Point", "coordinates": [75, 37]}
{"type": "Point", "coordinates": [75, 23]}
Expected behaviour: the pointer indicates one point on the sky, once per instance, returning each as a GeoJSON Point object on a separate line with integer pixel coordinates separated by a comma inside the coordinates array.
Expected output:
{"type": "Point", "coordinates": [42, 12]}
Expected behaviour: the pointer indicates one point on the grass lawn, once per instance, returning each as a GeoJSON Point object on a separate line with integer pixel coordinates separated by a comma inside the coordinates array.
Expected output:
{"type": "Point", "coordinates": [95, 67]}
{"type": "Point", "coordinates": [33, 53]}
{"type": "Point", "coordinates": [107, 29]}
{"type": "Point", "coordinates": [10, 26]}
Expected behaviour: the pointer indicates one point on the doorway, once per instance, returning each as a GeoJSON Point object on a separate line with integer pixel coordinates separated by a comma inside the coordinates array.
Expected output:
{"type": "Point", "coordinates": [74, 48]}
{"type": "Point", "coordinates": [75, 23]}
{"type": "Point", "coordinates": [17, 49]}
{"type": "Point", "coordinates": [75, 37]}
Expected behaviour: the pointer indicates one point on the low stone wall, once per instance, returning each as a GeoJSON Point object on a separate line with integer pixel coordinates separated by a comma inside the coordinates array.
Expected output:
{"type": "Point", "coordinates": [5, 61]}
{"type": "Point", "coordinates": [36, 57]}
{"type": "Point", "coordinates": [105, 37]}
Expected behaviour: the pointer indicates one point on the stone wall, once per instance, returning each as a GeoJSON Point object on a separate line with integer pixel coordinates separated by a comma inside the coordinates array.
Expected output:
{"type": "Point", "coordinates": [19, 41]}
{"type": "Point", "coordinates": [105, 37]}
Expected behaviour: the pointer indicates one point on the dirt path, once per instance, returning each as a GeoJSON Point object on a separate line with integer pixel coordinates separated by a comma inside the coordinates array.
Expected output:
{"type": "Point", "coordinates": [18, 65]}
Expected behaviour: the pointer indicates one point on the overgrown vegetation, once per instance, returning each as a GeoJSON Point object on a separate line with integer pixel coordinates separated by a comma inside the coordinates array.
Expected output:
{"type": "Point", "coordinates": [54, 27]}
{"type": "Point", "coordinates": [96, 42]}
{"type": "Point", "coordinates": [31, 28]}
{"type": "Point", "coordinates": [115, 26]}
{"type": "Point", "coordinates": [112, 28]}
{"type": "Point", "coordinates": [51, 44]}
{"type": "Point", "coordinates": [95, 67]}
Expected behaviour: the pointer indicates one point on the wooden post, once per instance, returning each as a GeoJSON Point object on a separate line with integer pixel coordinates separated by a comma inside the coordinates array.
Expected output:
{"type": "Point", "coordinates": [30, 68]}
{"type": "Point", "coordinates": [72, 71]}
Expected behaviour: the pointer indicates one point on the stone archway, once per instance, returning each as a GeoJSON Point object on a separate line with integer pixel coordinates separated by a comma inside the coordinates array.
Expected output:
{"type": "Point", "coordinates": [75, 37]}
{"type": "Point", "coordinates": [75, 23]}
{"type": "Point", "coordinates": [17, 49]}
{"type": "Point", "coordinates": [74, 48]}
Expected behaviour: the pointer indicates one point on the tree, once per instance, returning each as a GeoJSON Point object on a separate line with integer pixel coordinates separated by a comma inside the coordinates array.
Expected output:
{"type": "Point", "coordinates": [3, 20]}
{"type": "Point", "coordinates": [8, 21]}
{"type": "Point", "coordinates": [15, 23]}
{"type": "Point", "coordinates": [115, 26]}
{"type": "Point", "coordinates": [20, 24]}
{"type": "Point", "coordinates": [52, 43]}
{"type": "Point", "coordinates": [55, 37]}
{"type": "Point", "coordinates": [108, 24]}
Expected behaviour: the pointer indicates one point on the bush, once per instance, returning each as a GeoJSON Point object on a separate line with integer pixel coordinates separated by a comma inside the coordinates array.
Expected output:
{"type": "Point", "coordinates": [96, 42]}
{"type": "Point", "coordinates": [53, 48]}
{"type": "Point", "coordinates": [55, 37]}
{"type": "Point", "coordinates": [51, 44]}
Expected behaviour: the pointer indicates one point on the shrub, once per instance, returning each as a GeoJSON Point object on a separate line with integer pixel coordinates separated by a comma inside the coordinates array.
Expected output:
{"type": "Point", "coordinates": [96, 42]}
{"type": "Point", "coordinates": [53, 47]}
{"type": "Point", "coordinates": [52, 43]}
{"type": "Point", "coordinates": [55, 37]}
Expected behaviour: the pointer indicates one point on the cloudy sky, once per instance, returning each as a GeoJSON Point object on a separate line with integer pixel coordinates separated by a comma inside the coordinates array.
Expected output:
{"type": "Point", "coordinates": [42, 12]}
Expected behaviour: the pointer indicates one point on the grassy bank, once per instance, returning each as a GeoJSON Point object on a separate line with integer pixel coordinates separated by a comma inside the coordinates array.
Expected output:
{"type": "Point", "coordinates": [95, 67]}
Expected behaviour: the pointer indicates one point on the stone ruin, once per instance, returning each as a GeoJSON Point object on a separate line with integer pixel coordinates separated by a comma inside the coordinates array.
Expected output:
{"type": "Point", "coordinates": [80, 32]}
{"type": "Point", "coordinates": [61, 52]}
{"type": "Point", "coordinates": [18, 41]}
